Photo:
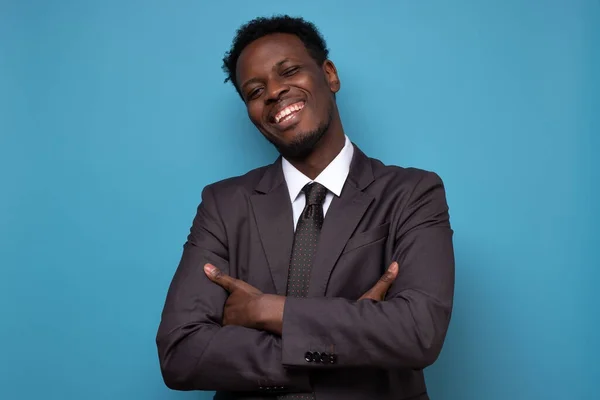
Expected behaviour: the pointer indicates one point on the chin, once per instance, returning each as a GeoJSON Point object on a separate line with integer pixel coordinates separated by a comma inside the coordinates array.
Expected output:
{"type": "Point", "coordinates": [301, 144]}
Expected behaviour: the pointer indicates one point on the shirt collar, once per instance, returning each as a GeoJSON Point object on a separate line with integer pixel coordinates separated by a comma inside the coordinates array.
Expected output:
{"type": "Point", "coordinates": [332, 177]}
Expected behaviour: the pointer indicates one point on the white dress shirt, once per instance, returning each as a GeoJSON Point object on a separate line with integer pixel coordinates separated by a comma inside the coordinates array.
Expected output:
{"type": "Point", "coordinates": [332, 177]}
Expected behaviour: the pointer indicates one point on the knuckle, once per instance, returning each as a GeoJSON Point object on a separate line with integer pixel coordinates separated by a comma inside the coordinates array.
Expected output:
{"type": "Point", "coordinates": [218, 275]}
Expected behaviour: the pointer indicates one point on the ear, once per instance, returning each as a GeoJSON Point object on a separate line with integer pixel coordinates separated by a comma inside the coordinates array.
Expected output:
{"type": "Point", "coordinates": [331, 76]}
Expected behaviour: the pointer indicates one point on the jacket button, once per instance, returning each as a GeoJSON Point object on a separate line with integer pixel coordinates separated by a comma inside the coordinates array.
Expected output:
{"type": "Point", "coordinates": [324, 358]}
{"type": "Point", "coordinates": [308, 356]}
{"type": "Point", "coordinates": [316, 356]}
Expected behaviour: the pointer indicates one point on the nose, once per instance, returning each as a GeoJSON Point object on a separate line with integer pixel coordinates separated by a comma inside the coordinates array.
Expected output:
{"type": "Point", "coordinates": [275, 89]}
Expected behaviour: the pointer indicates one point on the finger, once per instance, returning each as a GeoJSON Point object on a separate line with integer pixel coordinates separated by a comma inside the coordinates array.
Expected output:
{"type": "Point", "coordinates": [391, 274]}
{"type": "Point", "coordinates": [378, 291]}
{"type": "Point", "coordinates": [386, 280]}
{"type": "Point", "coordinates": [219, 277]}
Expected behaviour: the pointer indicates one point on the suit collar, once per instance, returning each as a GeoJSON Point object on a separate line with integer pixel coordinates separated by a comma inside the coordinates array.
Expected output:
{"type": "Point", "coordinates": [360, 174]}
{"type": "Point", "coordinates": [272, 178]}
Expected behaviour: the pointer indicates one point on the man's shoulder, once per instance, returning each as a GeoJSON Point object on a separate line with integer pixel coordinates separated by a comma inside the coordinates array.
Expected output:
{"type": "Point", "coordinates": [401, 174]}
{"type": "Point", "coordinates": [240, 184]}
{"type": "Point", "coordinates": [402, 185]}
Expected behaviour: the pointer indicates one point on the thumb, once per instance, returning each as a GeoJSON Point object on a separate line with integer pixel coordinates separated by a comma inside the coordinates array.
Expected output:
{"type": "Point", "coordinates": [383, 284]}
{"type": "Point", "coordinates": [388, 278]}
{"type": "Point", "coordinates": [217, 276]}
{"type": "Point", "coordinates": [391, 273]}
{"type": "Point", "coordinates": [212, 272]}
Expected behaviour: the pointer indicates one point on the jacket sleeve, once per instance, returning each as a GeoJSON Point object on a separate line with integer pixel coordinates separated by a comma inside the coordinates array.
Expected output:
{"type": "Point", "coordinates": [195, 351]}
{"type": "Point", "coordinates": [408, 328]}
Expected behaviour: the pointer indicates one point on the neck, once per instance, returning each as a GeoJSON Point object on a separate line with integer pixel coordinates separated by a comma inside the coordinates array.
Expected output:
{"type": "Point", "coordinates": [324, 152]}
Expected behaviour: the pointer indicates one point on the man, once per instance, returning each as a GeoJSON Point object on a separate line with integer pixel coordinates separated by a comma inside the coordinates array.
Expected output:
{"type": "Point", "coordinates": [282, 290]}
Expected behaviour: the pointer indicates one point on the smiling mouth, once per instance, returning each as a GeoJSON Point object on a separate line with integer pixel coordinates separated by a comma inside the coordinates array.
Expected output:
{"type": "Point", "coordinates": [288, 112]}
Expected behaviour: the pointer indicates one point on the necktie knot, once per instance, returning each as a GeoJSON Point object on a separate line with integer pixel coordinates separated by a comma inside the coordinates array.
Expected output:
{"type": "Point", "coordinates": [315, 193]}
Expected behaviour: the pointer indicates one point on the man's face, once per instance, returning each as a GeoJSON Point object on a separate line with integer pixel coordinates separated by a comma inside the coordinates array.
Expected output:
{"type": "Point", "coordinates": [289, 97]}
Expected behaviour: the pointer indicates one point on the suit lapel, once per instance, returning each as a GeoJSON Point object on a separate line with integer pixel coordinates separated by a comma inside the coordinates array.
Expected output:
{"type": "Point", "coordinates": [273, 214]}
{"type": "Point", "coordinates": [341, 220]}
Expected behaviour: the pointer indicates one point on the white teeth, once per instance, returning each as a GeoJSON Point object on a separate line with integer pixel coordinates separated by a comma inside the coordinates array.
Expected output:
{"type": "Point", "coordinates": [285, 113]}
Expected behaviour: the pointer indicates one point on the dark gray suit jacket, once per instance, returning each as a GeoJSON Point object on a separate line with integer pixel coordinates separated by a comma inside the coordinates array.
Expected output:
{"type": "Point", "coordinates": [332, 344]}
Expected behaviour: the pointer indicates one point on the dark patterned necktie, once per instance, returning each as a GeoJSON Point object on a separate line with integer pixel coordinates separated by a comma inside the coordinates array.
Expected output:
{"type": "Point", "coordinates": [306, 239]}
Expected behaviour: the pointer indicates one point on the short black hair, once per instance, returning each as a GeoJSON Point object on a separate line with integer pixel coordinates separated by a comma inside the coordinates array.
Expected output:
{"type": "Point", "coordinates": [262, 26]}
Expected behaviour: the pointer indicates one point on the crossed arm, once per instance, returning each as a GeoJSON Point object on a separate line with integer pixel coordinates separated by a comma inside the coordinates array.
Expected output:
{"type": "Point", "coordinates": [218, 333]}
{"type": "Point", "coordinates": [249, 307]}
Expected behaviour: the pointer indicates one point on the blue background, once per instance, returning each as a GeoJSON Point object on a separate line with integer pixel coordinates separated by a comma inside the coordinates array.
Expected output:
{"type": "Point", "coordinates": [114, 115]}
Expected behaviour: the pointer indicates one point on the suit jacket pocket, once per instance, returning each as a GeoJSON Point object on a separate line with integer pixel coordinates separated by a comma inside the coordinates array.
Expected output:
{"type": "Point", "coordinates": [367, 237]}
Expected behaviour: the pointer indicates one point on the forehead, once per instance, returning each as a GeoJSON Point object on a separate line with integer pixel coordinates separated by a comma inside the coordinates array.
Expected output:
{"type": "Point", "coordinates": [263, 54]}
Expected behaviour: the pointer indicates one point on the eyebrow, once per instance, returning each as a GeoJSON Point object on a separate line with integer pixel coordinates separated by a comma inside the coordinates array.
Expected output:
{"type": "Point", "coordinates": [253, 80]}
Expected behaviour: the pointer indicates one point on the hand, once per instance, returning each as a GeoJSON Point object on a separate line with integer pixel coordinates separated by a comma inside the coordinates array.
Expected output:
{"type": "Point", "coordinates": [379, 290]}
{"type": "Point", "coordinates": [239, 306]}
{"type": "Point", "coordinates": [246, 305]}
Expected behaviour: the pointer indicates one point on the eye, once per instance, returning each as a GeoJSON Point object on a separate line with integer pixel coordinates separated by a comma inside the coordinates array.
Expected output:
{"type": "Point", "coordinates": [254, 93]}
{"type": "Point", "coordinates": [290, 71]}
